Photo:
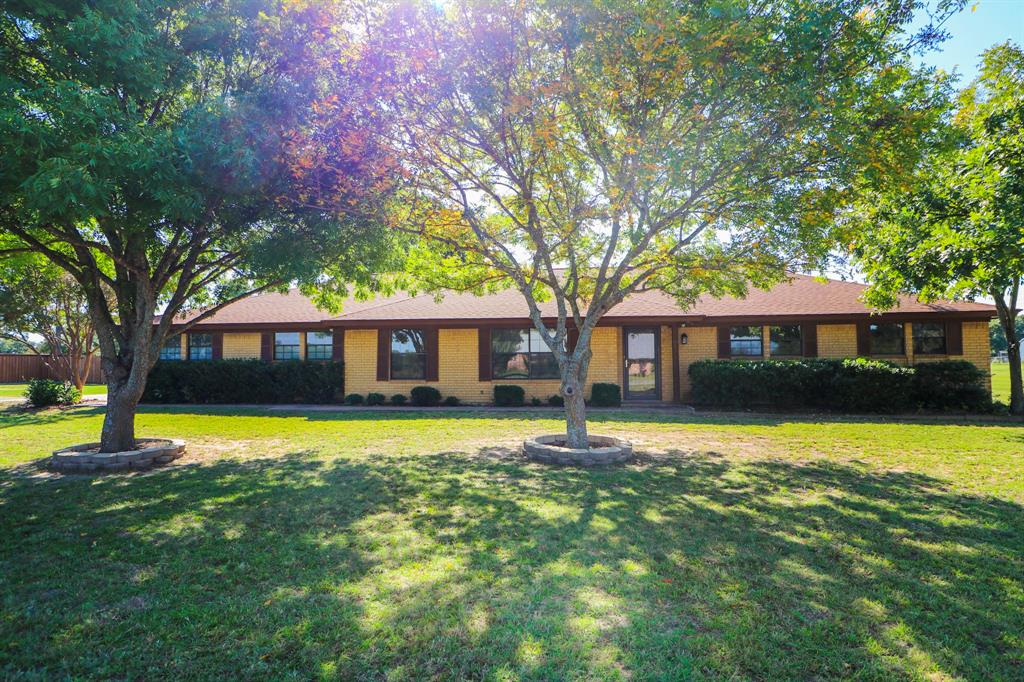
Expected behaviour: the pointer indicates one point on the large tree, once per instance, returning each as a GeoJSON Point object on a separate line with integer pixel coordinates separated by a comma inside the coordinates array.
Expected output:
{"type": "Point", "coordinates": [584, 151]}
{"type": "Point", "coordinates": [181, 154]}
{"type": "Point", "coordinates": [43, 308]}
{"type": "Point", "coordinates": [956, 228]}
{"type": "Point", "coordinates": [997, 337]}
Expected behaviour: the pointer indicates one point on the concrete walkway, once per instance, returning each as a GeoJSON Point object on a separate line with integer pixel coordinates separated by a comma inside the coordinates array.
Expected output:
{"type": "Point", "coordinates": [88, 401]}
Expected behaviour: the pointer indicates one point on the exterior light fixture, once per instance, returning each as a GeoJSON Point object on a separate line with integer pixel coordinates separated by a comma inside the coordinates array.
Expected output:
{"type": "Point", "coordinates": [684, 338]}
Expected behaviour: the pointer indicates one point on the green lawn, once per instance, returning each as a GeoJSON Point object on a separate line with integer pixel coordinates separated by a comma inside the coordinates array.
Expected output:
{"type": "Point", "coordinates": [1001, 381]}
{"type": "Point", "coordinates": [404, 546]}
{"type": "Point", "coordinates": [18, 390]}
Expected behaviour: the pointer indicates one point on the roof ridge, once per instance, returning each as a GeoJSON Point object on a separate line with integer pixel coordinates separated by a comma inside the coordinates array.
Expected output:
{"type": "Point", "coordinates": [832, 280]}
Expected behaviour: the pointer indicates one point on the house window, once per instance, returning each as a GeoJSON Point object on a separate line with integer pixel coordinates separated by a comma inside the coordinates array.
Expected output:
{"type": "Point", "coordinates": [200, 346]}
{"type": "Point", "coordinates": [929, 338]}
{"type": "Point", "coordinates": [319, 345]}
{"type": "Point", "coordinates": [286, 346]}
{"type": "Point", "coordinates": [171, 349]}
{"type": "Point", "coordinates": [408, 354]}
{"type": "Point", "coordinates": [886, 338]}
{"type": "Point", "coordinates": [745, 342]}
{"type": "Point", "coordinates": [521, 354]}
{"type": "Point", "coordinates": [785, 340]}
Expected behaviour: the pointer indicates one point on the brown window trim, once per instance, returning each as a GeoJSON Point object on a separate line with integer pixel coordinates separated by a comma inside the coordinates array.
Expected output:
{"type": "Point", "coordinates": [864, 339]}
{"type": "Point", "coordinates": [430, 342]}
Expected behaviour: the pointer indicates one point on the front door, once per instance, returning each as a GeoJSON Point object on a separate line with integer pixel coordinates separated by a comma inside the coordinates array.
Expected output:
{"type": "Point", "coordinates": [641, 375]}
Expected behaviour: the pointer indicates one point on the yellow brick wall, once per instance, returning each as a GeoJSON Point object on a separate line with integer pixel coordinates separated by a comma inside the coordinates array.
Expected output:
{"type": "Point", "coordinates": [606, 365]}
{"type": "Point", "coordinates": [242, 346]}
{"type": "Point", "coordinates": [837, 340]}
{"type": "Point", "coordinates": [702, 344]}
{"type": "Point", "coordinates": [458, 373]}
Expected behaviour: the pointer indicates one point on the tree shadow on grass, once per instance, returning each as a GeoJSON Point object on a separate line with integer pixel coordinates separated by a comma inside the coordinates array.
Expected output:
{"type": "Point", "coordinates": [483, 566]}
{"type": "Point", "coordinates": [26, 416]}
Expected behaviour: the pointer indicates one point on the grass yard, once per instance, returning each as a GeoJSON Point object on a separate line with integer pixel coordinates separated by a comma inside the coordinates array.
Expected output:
{"type": "Point", "coordinates": [18, 390]}
{"type": "Point", "coordinates": [403, 546]}
{"type": "Point", "coordinates": [1001, 381]}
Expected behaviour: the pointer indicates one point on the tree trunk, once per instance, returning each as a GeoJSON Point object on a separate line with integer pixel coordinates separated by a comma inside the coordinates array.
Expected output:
{"type": "Point", "coordinates": [575, 412]}
{"type": "Point", "coordinates": [574, 366]}
{"type": "Point", "coordinates": [75, 372]}
{"type": "Point", "coordinates": [1016, 386]}
{"type": "Point", "coordinates": [124, 390]}
{"type": "Point", "coordinates": [81, 372]}
{"type": "Point", "coordinates": [1013, 357]}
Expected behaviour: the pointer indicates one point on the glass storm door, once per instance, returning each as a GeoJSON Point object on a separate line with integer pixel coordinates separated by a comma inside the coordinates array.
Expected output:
{"type": "Point", "coordinates": [641, 363]}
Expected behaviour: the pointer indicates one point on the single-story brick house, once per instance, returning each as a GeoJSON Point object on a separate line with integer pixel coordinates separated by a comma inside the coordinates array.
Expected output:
{"type": "Point", "coordinates": [466, 344]}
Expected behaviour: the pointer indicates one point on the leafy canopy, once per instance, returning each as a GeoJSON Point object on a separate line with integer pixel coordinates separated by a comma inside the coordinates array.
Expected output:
{"type": "Point", "coordinates": [956, 228]}
{"type": "Point", "coordinates": [175, 151]}
{"type": "Point", "coordinates": [584, 150]}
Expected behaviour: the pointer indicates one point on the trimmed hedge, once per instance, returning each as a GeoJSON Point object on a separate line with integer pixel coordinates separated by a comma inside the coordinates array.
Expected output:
{"type": "Point", "coordinates": [605, 395]}
{"type": "Point", "coordinates": [951, 384]}
{"type": "Point", "coordinates": [508, 395]}
{"type": "Point", "coordinates": [245, 381]}
{"type": "Point", "coordinates": [859, 385]}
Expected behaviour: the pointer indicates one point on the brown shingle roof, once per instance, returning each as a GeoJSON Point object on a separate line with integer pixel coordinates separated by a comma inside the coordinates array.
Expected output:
{"type": "Point", "coordinates": [801, 296]}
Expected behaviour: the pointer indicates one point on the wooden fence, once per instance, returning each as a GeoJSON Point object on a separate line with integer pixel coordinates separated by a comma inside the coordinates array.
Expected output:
{"type": "Point", "coordinates": [16, 368]}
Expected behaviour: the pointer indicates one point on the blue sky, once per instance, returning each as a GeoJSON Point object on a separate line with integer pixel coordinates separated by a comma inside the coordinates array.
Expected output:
{"type": "Point", "coordinates": [991, 22]}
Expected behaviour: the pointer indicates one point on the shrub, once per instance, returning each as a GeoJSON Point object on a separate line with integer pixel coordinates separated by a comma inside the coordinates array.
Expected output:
{"type": "Point", "coordinates": [506, 395]}
{"type": "Point", "coordinates": [375, 399]}
{"type": "Point", "coordinates": [398, 400]}
{"type": "Point", "coordinates": [425, 396]}
{"type": "Point", "coordinates": [535, 401]}
{"type": "Point", "coordinates": [556, 401]}
{"type": "Point", "coordinates": [451, 401]}
{"type": "Point", "coordinates": [605, 395]}
{"type": "Point", "coordinates": [354, 399]}
{"type": "Point", "coordinates": [47, 392]}
{"type": "Point", "coordinates": [244, 381]}
{"type": "Point", "coordinates": [951, 385]}
{"type": "Point", "coordinates": [864, 385]}
{"type": "Point", "coordinates": [852, 385]}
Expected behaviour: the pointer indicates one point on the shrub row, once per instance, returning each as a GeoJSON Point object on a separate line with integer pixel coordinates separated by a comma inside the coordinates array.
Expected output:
{"type": "Point", "coordinates": [422, 396]}
{"type": "Point", "coordinates": [245, 381]}
{"type": "Point", "coordinates": [601, 395]}
{"type": "Point", "coordinates": [505, 395]}
{"type": "Point", "coordinates": [255, 381]}
{"type": "Point", "coordinates": [858, 385]}
{"type": "Point", "coordinates": [47, 392]}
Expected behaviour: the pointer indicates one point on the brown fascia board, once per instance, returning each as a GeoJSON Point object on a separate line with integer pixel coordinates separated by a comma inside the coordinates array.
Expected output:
{"type": "Point", "coordinates": [682, 320]}
{"type": "Point", "coordinates": [608, 320]}
{"type": "Point", "coordinates": [851, 318]}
